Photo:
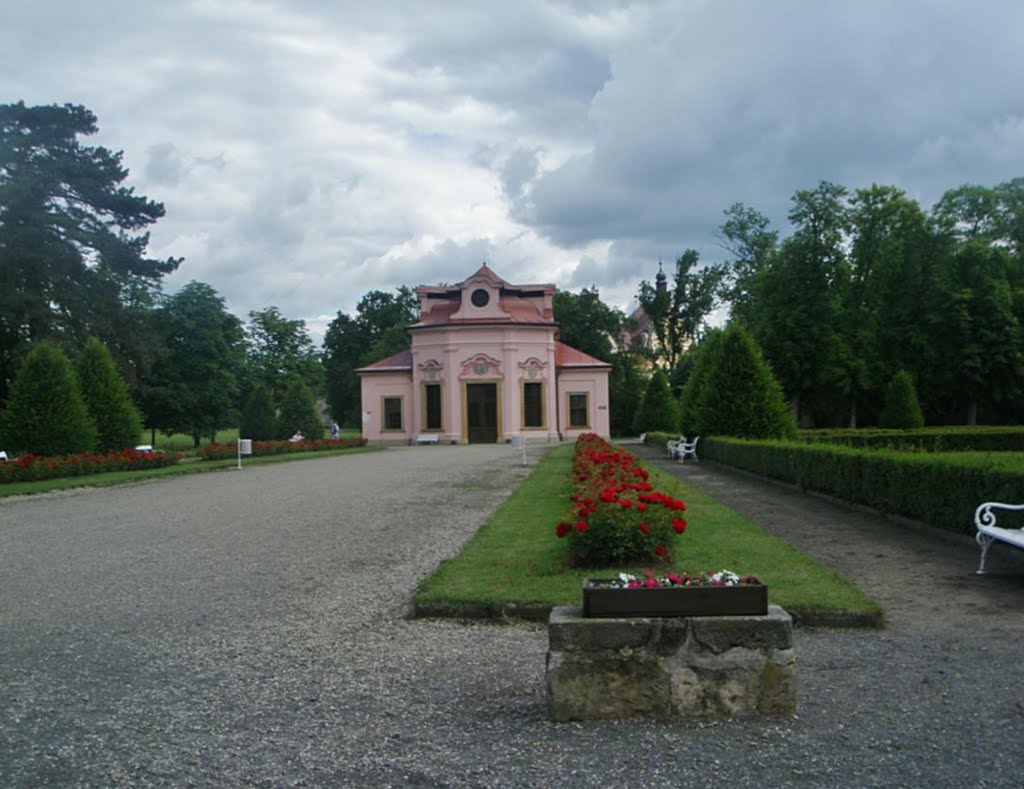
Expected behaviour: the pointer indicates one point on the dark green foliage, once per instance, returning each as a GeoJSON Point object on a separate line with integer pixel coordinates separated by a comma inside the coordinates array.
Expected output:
{"type": "Point", "coordinates": [658, 410]}
{"type": "Point", "coordinates": [278, 348]}
{"type": "Point", "coordinates": [701, 357]}
{"type": "Point", "coordinates": [586, 323]}
{"type": "Point", "coordinates": [625, 391]}
{"type": "Point", "coordinates": [45, 412]}
{"type": "Point", "coordinates": [298, 412]}
{"type": "Point", "coordinates": [740, 396]}
{"type": "Point", "coordinates": [929, 439]}
{"type": "Point", "coordinates": [938, 489]}
{"type": "Point", "coordinates": [105, 392]}
{"type": "Point", "coordinates": [194, 389]}
{"type": "Point", "coordinates": [259, 419]}
{"type": "Point", "coordinates": [901, 406]}
{"type": "Point", "coordinates": [377, 331]}
{"type": "Point", "coordinates": [72, 235]}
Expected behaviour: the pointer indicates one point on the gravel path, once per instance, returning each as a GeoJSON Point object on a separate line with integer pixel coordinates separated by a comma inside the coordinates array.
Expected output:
{"type": "Point", "coordinates": [247, 628]}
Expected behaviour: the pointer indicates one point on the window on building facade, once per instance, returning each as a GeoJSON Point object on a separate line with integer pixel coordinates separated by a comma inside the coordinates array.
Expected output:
{"type": "Point", "coordinates": [432, 406]}
{"type": "Point", "coordinates": [392, 413]}
{"type": "Point", "coordinates": [533, 404]}
{"type": "Point", "coordinates": [578, 409]}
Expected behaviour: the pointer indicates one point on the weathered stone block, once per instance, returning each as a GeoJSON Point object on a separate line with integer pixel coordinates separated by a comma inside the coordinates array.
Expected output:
{"type": "Point", "coordinates": [661, 667]}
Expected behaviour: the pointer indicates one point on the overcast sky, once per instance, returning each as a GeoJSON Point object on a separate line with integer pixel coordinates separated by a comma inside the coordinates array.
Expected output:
{"type": "Point", "coordinates": [309, 151]}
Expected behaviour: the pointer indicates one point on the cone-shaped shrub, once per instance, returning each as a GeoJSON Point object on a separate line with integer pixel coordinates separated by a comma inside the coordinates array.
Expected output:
{"type": "Point", "coordinates": [298, 412]}
{"type": "Point", "coordinates": [117, 419]}
{"type": "Point", "coordinates": [45, 413]}
{"type": "Point", "coordinates": [740, 396]}
{"type": "Point", "coordinates": [259, 421]}
{"type": "Point", "coordinates": [702, 356]}
{"type": "Point", "coordinates": [659, 411]}
{"type": "Point", "coordinates": [901, 406]}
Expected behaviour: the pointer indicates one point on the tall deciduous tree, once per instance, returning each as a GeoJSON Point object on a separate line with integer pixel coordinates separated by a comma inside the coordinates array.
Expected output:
{"type": "Point", "coordinates": [278, 348]}
{"type": "Point", "coordinates": [745, 236]}
{"type": "Point", "coordinates": [678, 312]}
{"type": "Point", "coordinates": [376, 331]}
{"type": "Point", "coordinates": [587, 323]}
{"type": "Point", "coordinates": [45, 413]}
{"type": "Point", "coordinates": [797, 310]}
{"type": "Point", "coordinates": [196, 385]}
{"type": "Point", "coordinates": [116, 416]}
{"type": "Point", "coordinates": [72, 240]}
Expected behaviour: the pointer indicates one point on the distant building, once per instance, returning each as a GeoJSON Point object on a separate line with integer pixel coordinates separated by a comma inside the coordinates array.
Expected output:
{"type": "Point", "coordinates": [485, 366]}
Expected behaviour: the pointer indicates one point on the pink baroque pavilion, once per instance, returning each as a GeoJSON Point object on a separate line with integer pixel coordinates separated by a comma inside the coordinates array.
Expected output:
{"type": "Point", "coordinates": [485, 366]}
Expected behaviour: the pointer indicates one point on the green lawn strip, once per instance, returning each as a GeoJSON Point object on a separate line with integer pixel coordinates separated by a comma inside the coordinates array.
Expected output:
{"type": "Point", "coordinates": [516, 559]}
{"type": "Point", "coordinates": [188, 466]}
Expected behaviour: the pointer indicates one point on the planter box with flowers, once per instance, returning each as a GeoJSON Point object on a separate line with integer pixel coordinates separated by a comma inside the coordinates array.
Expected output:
{"type": "Point", "coordinates": [719, 594]}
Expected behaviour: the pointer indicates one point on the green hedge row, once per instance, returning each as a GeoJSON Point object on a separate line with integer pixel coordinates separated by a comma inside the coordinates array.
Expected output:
{"type": "Point", "coordinates": [940, 489]}
{"type": "Point", "coordinates": [926, 439]}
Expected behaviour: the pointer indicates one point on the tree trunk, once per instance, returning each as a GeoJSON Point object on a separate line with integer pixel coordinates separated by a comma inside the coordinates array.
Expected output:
{"type": "Point", "coordinates": [853, 412]}
{"type": "Point", "coordinates": [972, 413]}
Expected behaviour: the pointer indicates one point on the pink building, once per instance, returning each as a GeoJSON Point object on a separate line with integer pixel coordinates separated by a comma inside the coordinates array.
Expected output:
{"type": "Point", "coordinates": [485, 366]}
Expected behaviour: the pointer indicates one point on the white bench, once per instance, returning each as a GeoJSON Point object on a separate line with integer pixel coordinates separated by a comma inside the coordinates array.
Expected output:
{"type": "Point", "coordinates": [672, 447]}
{"type": "Point", "coordinates": [687, 449]}
{"type": "Point", "coordinates": [988, 532]}
{"type": "Point", "coordinates": [428, 438]}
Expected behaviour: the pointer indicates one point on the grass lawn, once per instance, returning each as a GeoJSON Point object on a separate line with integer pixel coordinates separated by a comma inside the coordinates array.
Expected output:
{"type": "Point", "coordinates": [187, 466]}
{"type": "Point", "coordinates": [516, 557]}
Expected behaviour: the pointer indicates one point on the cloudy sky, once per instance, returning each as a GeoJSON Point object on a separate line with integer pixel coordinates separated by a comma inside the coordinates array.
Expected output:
{"type": "Point", "coordinates": [307, 151]}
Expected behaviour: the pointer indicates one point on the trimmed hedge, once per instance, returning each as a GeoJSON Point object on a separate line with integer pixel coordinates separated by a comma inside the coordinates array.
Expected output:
{"type": "Point", "coordinates": [224, 451]}
{"type": "Point", "coordinates": [940, 489]}
{"type": "Point", "coordinates": [928, 439]}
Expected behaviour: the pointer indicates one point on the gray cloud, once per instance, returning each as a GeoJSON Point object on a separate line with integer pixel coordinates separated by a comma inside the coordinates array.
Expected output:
{"type": "Point", "coordinates": [309, 151]}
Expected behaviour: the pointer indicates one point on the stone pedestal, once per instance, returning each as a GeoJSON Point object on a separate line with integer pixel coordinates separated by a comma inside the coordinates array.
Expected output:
{"type": "Point", "coordinates": [672, 666]}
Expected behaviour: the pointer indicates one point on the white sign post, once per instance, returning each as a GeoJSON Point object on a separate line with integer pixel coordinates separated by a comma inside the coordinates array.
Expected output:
{"type": "Point", "coordinates": [244, 448]}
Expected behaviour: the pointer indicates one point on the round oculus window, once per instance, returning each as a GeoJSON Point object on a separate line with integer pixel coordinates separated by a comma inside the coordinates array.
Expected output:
{"type": "Point", "coordinates": [480, 297]}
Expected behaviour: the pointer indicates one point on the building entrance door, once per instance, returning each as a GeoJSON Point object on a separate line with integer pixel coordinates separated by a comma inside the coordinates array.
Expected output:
{"type": "Point", "coordinates": [482, 413]}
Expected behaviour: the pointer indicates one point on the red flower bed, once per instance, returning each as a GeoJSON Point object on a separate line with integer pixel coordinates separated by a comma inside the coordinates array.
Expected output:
{"type": "Point", "coordinates": [617, 517]}
{"type": "Point", "coordinates": [29, 468]}
{"type": "Point", "coordinates": [224, 451]}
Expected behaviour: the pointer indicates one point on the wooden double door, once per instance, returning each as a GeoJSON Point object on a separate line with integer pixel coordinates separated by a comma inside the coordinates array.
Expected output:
{"type": "Point", "coordinates": [482, 413]}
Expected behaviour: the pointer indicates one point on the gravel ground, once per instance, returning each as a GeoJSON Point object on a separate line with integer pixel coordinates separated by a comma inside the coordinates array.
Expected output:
{"type": "Point", "coordinates": [247, 628]}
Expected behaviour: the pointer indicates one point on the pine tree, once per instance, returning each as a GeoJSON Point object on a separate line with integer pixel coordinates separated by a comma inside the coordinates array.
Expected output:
{"type": "Point", "coordinates": [45, 412]}
{"type": "Point", "coordinates": [258, 418]}
{"type": "Point", "coordinates": [740, 397]}
{"type": "Point", "coordinates": [902, 409]}
{"type": "Point", "coordinates": [658, 412]}
{"type": "Point", "coordinates": [298, 412]}
{"type": "Point", "coordinates": [117, 419]}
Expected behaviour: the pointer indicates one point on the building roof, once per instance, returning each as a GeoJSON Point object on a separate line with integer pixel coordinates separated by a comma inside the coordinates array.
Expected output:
{"type": "Point", "coordinates": [400, 362]}
{"type": "Point", "coordinates": [567, 356]}
{"type": "Point", "coordinates": [444, 305]}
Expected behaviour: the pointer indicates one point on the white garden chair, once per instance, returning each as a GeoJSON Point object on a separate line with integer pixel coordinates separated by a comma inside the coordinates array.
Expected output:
{"type": "Point", "coordinates": [687, 449]}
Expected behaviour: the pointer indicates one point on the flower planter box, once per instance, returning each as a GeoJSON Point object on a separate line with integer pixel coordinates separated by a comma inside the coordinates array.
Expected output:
{"type": "Point", "coordinates": [602, 600]}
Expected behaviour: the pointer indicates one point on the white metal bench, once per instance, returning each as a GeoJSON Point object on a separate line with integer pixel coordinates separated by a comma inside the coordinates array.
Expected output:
{"type": "Point", "coordinates": [687, 449]}
{"type": "Point", "coordinates": [672, 447]}
{"type": "Point", "coordinates": [988, 532]}
{"type": "Point", "coordinates": [428, 438]}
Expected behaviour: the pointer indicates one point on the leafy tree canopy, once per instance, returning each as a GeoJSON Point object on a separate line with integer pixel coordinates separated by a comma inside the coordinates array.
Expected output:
{"type": "Point", "coordinates": [278, 348]}
{"type": "Point", "coordinates": [586, 323]}
{"type": "Point", "coordinates": [72, 238]}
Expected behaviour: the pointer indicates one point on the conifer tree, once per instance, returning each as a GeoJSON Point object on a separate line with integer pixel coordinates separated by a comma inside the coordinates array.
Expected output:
{"type": "Point", "coordinates": [45, 412]}
{"type": "Point", "coordinates": [658, 412]}
{"type": "Point", "coordinates": [117, 419]}
{"type": "Point", "coordinates": [902, 409]}
{"type": "Point", "coordinates": [298, 412]}
{"type": "Point", "coordinates": [740, 397]}
{"type": "Point", "coordinates": [258, 418]}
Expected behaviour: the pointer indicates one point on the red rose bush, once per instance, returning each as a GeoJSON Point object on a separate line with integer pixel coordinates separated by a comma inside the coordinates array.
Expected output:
{"type": "Point", "coordinates": [617, 517]}
{"type": "Point", "coordinates": [29, 468]}
{"type": "Point", "coordinates": [224, 451]}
